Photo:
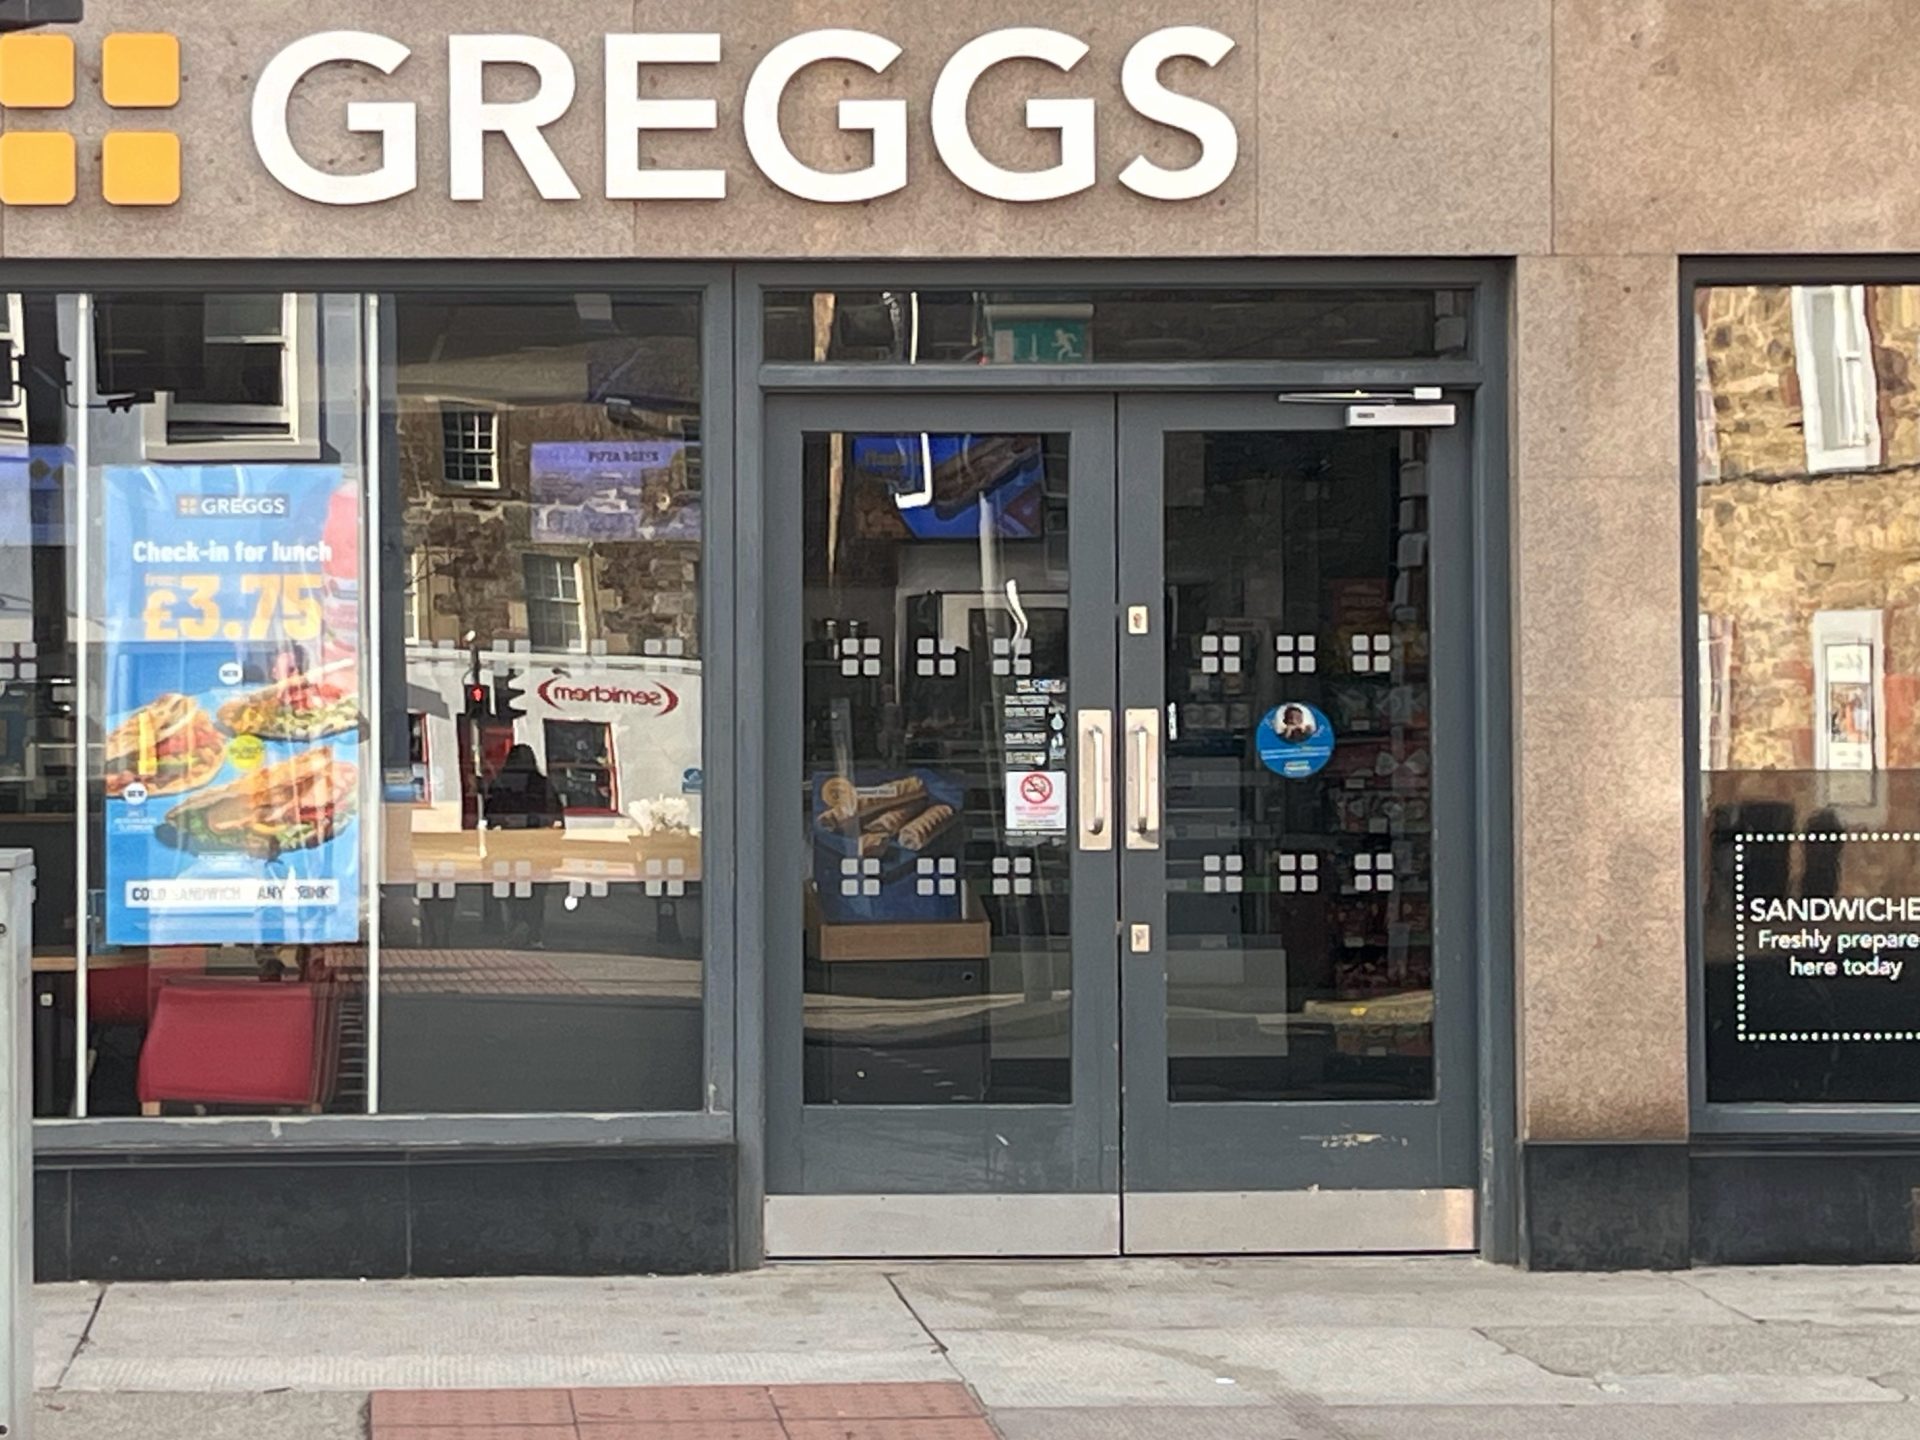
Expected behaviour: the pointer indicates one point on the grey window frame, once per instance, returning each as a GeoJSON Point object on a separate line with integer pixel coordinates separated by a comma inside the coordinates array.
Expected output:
{"type": "Point", "coordinates": [1484, 371]}
{"type": "Point", "coordinates": [714, 1123]}
{"type": "Point", "coordinates": [1749, 1118]}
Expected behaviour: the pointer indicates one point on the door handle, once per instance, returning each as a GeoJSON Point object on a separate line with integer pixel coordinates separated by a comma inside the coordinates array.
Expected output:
{"type": "Point", "coordinates": [1143, 779]}
{"type": "Point", "coordinates": [1096, 780]}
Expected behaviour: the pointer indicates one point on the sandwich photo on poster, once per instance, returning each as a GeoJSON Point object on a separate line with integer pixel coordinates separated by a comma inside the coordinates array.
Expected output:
{"type": "Point", "coordinates": [232, 691]}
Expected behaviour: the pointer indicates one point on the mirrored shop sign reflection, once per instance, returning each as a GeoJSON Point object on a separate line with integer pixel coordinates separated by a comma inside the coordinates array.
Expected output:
{"type": "Point", "coordinates": [1299, 781]}
{"type": "Point", "coordinates": [933, 792]}
{"type": "Point", "coordinates": [484, 635]}
{"type": "Point", "coordinates": [1807, 401]}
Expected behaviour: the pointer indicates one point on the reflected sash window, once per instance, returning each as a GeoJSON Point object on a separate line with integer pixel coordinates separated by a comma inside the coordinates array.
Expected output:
{"type": "Point", "coordinates": [470, 447]}
{"type": "Point", "coordinates": [1837, 389]}
{"type": "Point", "coordinates": [554, 621]}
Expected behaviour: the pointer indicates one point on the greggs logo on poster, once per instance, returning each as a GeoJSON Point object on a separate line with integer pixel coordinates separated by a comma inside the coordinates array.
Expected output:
{"type": "Point", "coordinates": [629, 116]}
{"type": "Point", "coordinates": [660, 699]}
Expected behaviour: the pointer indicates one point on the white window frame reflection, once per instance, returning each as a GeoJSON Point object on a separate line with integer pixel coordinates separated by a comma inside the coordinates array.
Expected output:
{"type": "Point", "coordinates": [568, 610]}
{"type": "Point", "coordinates": [289, 430]}
{"type": "Point", "coordinates": [416, 598]}
{"type": "Point", "coordinates": [1832, 341]}
{"type": "Point", "coordinates": [1850, 774]}
{"type": "Point", "coordinates": [1716, 684]}
{"type": "Point", "coordinates": [13, 409]}
{"type": "Point", "coordinates": [469, 446]}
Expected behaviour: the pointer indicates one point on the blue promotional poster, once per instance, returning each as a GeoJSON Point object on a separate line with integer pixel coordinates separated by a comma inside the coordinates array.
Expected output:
{"type": "Point", "coordinates": [1295, 740]}
{"type": "Point", "coordinates": [941, 483]}
{"type": "Point", "coordinates": [234, 726]}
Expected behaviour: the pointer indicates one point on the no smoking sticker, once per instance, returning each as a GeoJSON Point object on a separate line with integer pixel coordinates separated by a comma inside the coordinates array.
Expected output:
{"type": "Point", "coordinates": [1037, 802]}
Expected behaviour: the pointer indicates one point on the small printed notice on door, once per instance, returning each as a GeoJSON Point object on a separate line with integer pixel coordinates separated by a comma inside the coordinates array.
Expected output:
{"type": "Point", "coordinates": [1036, 802]}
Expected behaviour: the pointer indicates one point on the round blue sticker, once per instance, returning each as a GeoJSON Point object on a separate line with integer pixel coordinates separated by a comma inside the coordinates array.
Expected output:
{"type": "Point", "coordinates": [1295, 740]}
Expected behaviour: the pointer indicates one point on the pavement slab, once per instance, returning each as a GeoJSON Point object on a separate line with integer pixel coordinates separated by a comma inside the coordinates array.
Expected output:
{"type": "Point", "coordinates": [767, 1326]}
{"type": "Point", "coordinates": [241, 1373]}
{"type": "Point", "coordinates": [841, 1308]}
{"type": "Point", "coordinates": [1253, 1366]}
{"type": "Point", "coordinates": [1625, 1422]}
{"type": "Point", "coordinates": [140, 1416]}
{"type": "Point", "coordinates": [1212, 1294]}
{"type": "Point", "coordinates": [1783, 1349]}
{"type": "Point", "coordinates": [1141, 1422]}
{"type": "Point", "coordinates": [61, 1315]}
{"type": "Point", "coordinates": [1821, 1295]}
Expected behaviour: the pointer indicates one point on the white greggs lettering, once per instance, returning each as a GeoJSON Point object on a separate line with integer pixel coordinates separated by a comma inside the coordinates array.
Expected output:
{"type": "Point", "coordinates": [629, 116]}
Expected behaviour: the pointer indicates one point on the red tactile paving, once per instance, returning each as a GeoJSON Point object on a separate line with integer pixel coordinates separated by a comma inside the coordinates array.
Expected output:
{"type": "Point", "coordinates": [441, 1409]}
{"type": "Point", "coordinates": [684, 1412]}
{"type": "Point", "coordinates": [683, 1430]}
{"type": "Point", "coordinates": [873, 1402]}
{"type": "Point", "coordinates": [890, 1429]}
{"type": "Point", "coordinates": [675, 1403]}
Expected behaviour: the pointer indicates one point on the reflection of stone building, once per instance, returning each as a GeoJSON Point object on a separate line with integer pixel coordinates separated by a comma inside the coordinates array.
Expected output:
{"type": "Point", "coordinates": [477, 392]}
{"type": "Point", "coordinates": [1815, 511]}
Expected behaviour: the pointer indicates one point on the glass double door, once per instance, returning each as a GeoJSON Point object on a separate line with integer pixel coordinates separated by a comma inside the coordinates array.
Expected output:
{"type": "Point", "coordinates": [1118, 828]}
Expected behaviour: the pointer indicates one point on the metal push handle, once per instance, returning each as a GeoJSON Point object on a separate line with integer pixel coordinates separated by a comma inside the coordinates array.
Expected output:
{"type": "Point", "coordinates": [1143, 779]}
{"type": "Point", "coordinates": [1096, 781]}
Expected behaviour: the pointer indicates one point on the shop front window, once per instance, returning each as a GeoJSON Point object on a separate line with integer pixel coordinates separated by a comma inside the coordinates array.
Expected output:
{"type": "Point", "coordinates": [542, 908]}
{"type": "Point", "coordinates": [225, 704]}
{"type": "Point", "coordinates": [364, 687]}
{"type": "Point", "coordinates": [1808, 692]}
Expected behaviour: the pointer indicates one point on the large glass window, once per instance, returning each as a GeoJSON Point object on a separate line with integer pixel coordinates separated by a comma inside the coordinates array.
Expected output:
{"type": "Point", "coordinates": [542, 917]}
{"type": "Point", "coordinates": [369, 667]}
{"type": "Point", "coordinates": [225, 702]}
{"type": "Point", "coordinates": [1807, 680]}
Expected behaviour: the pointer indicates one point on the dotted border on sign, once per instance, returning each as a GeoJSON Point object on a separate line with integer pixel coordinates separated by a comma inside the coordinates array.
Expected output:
{"type": "Point", "coordinates": [1779, 1037]}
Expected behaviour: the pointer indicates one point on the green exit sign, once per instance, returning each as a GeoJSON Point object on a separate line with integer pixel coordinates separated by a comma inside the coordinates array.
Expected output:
{"type": "Point", "coordinates": [1040, 334]}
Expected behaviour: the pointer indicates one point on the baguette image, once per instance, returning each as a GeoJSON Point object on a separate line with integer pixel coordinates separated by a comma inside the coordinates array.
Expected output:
{"type": "Point", "coordinates": [300, 707]}
{"type": "Point", "coordinates": [922, 831]}
{"type": "Point", "coordinates": [852, 808]}
{"type": "Point", "coordinates": [894, 821]}
{"type": "Point", "coordinates": [294, 805]}
{"type": "Point", "coordinates": [169, 745]}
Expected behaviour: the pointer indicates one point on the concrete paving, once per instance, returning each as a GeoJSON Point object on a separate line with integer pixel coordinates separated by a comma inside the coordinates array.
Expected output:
{"type": "Point", "coordinates": [1399, 1349]}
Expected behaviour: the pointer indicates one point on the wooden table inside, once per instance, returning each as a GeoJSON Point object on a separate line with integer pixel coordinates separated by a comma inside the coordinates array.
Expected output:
{"type": "Point", "coordinates": [470, 856]}
{"type": "Point", "coordinates": [64, 964]}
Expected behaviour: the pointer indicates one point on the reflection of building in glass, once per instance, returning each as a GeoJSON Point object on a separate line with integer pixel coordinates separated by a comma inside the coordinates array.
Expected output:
{"type": "Point", "coordinates": [1810, 529]}
{"type": "Point", "coordinates": [550, 471]}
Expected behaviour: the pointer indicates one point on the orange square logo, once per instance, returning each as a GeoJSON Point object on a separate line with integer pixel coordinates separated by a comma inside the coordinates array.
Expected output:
{"type": "Point", "coordinates": [140, 167]}
{"type": "Point", "coordinates": [37, 168]}
{"type": "Point", "coordinates": [140, 72]}
{"type": "Point", "coordinates": [36, 71]}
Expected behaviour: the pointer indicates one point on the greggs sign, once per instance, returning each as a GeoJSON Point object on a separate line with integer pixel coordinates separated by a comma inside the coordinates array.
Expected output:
{"type": "Point", "coordinates": [630, 116]}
